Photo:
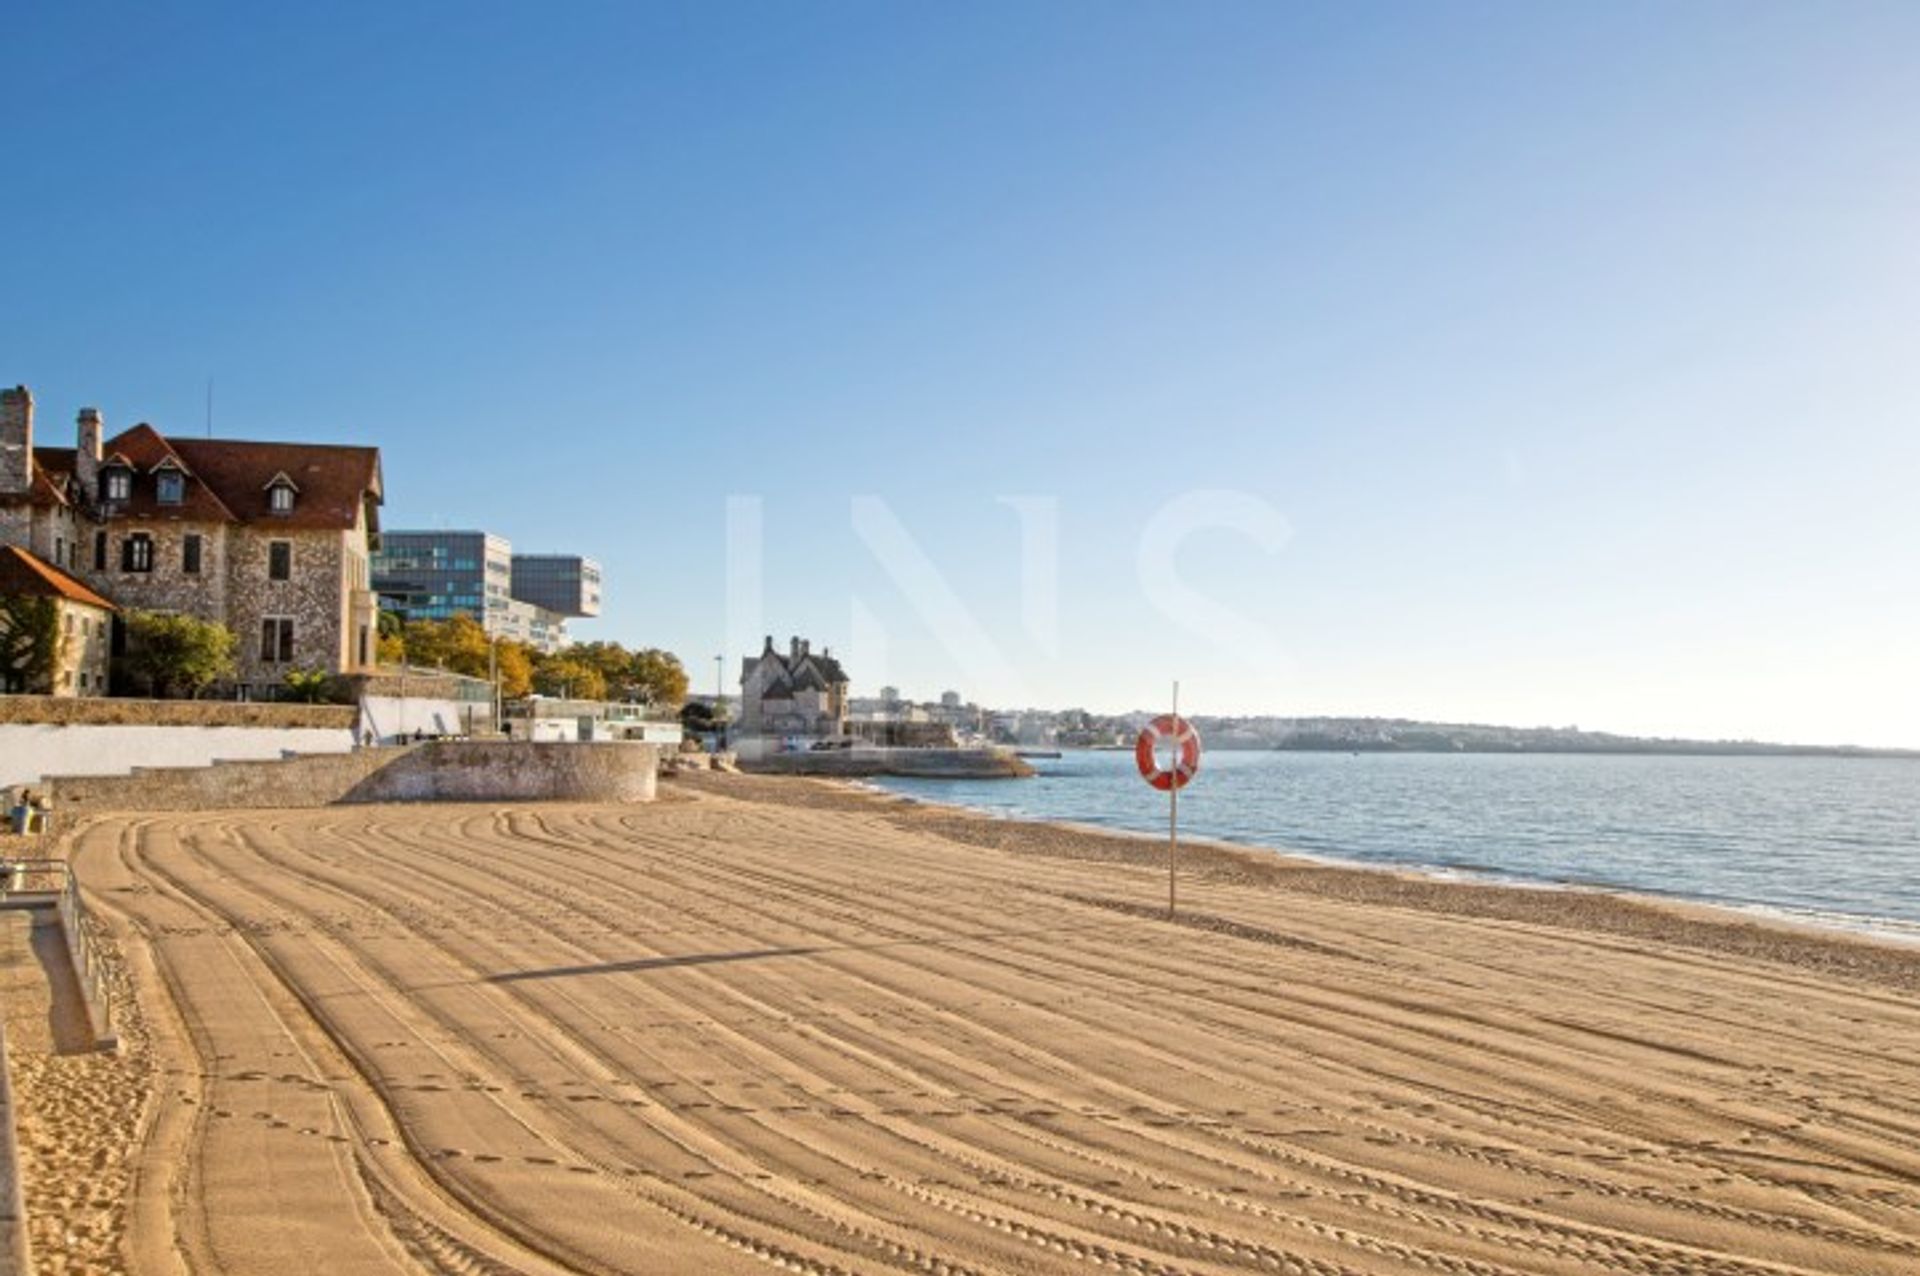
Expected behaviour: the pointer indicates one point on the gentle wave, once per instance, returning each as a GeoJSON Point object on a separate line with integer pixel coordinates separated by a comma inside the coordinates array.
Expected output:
{"type": "Point", "coordinates": [1826, 841]}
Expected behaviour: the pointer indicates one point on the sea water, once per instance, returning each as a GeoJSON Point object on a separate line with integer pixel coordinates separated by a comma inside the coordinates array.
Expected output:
{"type": "Point", "coordinates": [1831, 840]}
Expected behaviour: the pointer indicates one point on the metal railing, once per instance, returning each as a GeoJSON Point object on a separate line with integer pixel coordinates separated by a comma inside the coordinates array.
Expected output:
{"type": "Point", "coordinates": [42, 877]}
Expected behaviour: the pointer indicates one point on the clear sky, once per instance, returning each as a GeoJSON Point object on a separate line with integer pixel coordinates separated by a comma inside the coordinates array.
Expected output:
{"type": "Point", "coordinates": [1527, 363]}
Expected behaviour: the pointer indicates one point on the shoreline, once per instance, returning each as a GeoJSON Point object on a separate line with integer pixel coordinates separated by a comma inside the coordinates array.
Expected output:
{"type": "Point", "coordinates": [1700, 925]}
{"type": "Point", "coordinates": [1897, 932]}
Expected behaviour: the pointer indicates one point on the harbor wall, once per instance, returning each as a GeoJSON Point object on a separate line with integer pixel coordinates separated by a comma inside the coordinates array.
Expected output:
{"type": "Point", "coordinates": [931, 764]}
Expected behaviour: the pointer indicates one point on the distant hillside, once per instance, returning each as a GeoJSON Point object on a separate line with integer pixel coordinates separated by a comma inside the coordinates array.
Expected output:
{"type": "Point", "coordinates": [1402, 735]}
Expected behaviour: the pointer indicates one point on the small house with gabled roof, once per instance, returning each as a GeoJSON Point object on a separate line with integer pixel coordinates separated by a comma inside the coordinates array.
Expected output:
{"type": "Point", "coordinates": [793, 699]}
{"type": "Point", "coordinates": [55, 632]}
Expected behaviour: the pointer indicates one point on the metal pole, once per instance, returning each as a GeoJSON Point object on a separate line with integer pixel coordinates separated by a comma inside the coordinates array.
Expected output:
{"type": "Point", "coordinates": [1173, 809]}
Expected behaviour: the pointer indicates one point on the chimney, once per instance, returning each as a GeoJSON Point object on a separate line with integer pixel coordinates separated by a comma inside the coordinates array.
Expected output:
{"type": "Point", "coordinates": [793, 648]}
{"type": "Point", "coordinates": [16, 441]}
{"type": "Point", "coordinates": [86, 457]}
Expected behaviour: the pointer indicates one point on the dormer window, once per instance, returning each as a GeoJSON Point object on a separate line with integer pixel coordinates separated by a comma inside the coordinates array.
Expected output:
{"type": "Point", "coordinates": [116, 483]}
{"type": "Point", "coordinates": [170, 487]}
{"type": "Point", "coordinates": [280, 494]}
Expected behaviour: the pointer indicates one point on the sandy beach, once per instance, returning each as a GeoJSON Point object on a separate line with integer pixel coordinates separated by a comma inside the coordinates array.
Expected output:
{"type": "Point", "coordinates": [777, 1023]}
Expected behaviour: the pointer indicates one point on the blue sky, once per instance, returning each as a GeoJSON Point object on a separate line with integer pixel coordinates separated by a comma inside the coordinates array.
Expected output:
{"type": "Point", "coordinates": [1533, 363]}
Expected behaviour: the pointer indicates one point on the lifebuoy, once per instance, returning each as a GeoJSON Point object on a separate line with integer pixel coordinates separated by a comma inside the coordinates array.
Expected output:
{"type": "Point", "coordinates": [1186, 759]}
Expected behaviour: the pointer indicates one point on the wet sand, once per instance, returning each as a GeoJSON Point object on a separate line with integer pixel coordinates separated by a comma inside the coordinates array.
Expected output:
{"type": "Point", "coordinates": [779, 1023]}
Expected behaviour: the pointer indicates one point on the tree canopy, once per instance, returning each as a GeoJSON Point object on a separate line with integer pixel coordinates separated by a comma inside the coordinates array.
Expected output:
{"type": "Point", "coordinates": [569, 678]}
{"type": "Point", "coordinates": [31, 644]}
{"type": "Point", "coordinates": [177, 653]}
{"type": "Point", "coordinates": [584, 671]}
{"type": "Point", "coordinates": [649, 674]}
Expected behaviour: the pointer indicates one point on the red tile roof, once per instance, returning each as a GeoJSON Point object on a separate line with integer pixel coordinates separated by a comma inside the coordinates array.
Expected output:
{"type": "Point", "coordinates": [335, 482]}
{"type": "Point", "coordinates": [144, 448]}
{"type": "Point", "coordinates": [227, 479]}
{"type": "Point", "coordinates": [25, 574]}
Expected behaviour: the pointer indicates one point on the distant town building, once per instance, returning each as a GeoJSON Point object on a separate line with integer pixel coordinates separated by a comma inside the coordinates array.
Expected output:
{"type": "Point", "coordinates": [82, 622]}
{"type": "Point", "coordinates": [269, 539]}
{"type": "Point", "coordinates": [435, 575]}
{"type": "Point", "coordinates": [556, 720]}
{"type": "Point", "coordinates": [792, 699]}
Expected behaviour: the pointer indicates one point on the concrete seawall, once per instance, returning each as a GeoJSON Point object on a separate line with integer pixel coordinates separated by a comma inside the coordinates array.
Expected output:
{"type": "Point", "coordinates": [486, 771]}
{"type": "Point", "coordinates": [930, 764]}
{"type": "Point", "coordinates": [446, 771]}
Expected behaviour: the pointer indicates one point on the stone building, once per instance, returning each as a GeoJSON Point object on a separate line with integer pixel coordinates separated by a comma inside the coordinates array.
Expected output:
{"type": "Point", "coordinates": [795, 698]}
{"type": "Point", "coordinates": [270, 539]}
{"type": "Point", "coordinates": [82, 626]}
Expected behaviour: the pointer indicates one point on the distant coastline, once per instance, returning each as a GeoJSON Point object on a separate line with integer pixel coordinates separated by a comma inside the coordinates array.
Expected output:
{"type": "Point", "coordinates": [1402, 735]}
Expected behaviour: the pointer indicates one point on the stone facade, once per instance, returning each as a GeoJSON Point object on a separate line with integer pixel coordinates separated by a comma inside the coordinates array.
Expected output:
{"type": "Point", "coordinates": [82, 619]}
{"type": "Point", "coordinates": [88, 637]}
{"type": "Point", "coordinates": [798, 696]}
{"type": "Point", "coordinates": [270, 539]}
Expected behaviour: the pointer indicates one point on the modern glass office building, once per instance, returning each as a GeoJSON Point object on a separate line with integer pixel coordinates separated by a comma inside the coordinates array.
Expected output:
{"type": "Point", "coordinates": [563, 583]}
{"type": "Point", "coordinates": [422, 575]}
{"type": "Point", "coordinates": [434, 575]}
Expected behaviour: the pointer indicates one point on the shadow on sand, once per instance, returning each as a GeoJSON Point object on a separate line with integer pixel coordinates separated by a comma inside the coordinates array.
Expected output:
{"type": "Point", "coordinates": [763, 954]}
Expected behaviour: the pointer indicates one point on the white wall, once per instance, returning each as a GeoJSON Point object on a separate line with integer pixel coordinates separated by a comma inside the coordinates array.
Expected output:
{"type": "Point", "coordinates": [29, 751]}
{"type": "Point", "coordinates": [393, 718]}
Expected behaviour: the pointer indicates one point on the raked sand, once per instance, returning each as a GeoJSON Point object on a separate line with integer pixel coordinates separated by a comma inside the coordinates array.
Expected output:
{"type": "Point", "coordinates": [773, 1023]}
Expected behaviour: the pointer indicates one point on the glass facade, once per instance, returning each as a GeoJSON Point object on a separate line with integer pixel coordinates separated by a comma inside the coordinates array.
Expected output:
{"type": "Point", "coordinates": [562, 583]}
{"type": "Point", "coordinates": [422, 575]}
{"type": "Point", "coordinates": [435, 575]}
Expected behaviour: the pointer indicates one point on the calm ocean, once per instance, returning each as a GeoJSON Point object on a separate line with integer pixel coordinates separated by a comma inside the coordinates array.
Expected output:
{"type": "Point", "coordinates": [1830, 840]}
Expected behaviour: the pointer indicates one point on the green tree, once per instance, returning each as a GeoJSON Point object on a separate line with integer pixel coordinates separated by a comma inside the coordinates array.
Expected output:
{"type": "Point", "coordinates": [457, 644]}
{"type": "Point", "coordinates": [171, 652]}
{"type": "Point", "coordinates": [309, 686]}
{"type": "Point", "coordinates": [614, 662]}
{"type": "Point", "coordinates": [516, 668]}
{"type": "Point", "coordinates": [649, 675]}
{"type": "Point", "coordinates": [390, 648]}
{"type": "Point", "coordinates": [565, 676]}
{"type": "Point", "coordinates": [659, 677]}
{"type": "Point", "coordinates": [31, 644]}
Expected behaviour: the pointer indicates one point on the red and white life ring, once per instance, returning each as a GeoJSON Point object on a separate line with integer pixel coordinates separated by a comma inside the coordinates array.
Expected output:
{"type": "Point", "coordinates": [1186, 759]}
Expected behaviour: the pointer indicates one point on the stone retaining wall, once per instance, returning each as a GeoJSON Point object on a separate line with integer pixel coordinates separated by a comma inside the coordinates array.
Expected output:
{"type": "Point", "coordinates": [313, 780]}
{"type": "Point", "coordinates": [447, 771]}
{"type": "Point", "coordinates": [124, 711]}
